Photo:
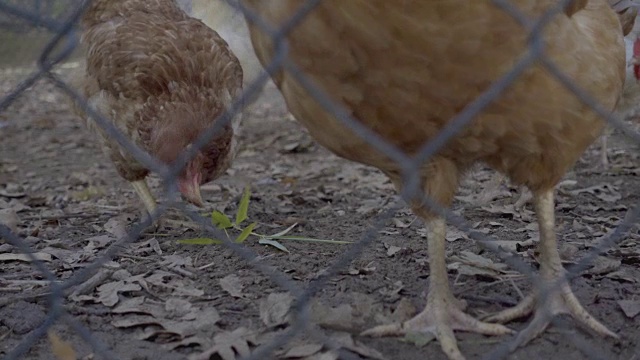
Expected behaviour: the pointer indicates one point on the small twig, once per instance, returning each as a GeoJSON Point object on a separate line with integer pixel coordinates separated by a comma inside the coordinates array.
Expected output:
{"type": "Point", "coordinates": [11, 289]}
{"type": "Point", "coordinates": [203, 267]}
{"type": "Point", "coordinates": [492, 299]}
{"type": "Point", "coordinates": [91, 283]}
{"type": "Point", "coordinates": [12, 299]}
{"type": "Point", "coordinates": [133, 257]}
{"type": "Point", "coordinates": [63, 216]}
{"type": "Point", "coordinates": [88, 311]}
{"type": "Point", "coordinates": [515, 286]}
{"type": "Point", "coordinates": [181, 271]}
{"type": "Point", "coordinates": [504, 279]}
{"type": "Point", "coordinates": [32, 282]}
{"type": "Point", "coordinates": [111, 207]}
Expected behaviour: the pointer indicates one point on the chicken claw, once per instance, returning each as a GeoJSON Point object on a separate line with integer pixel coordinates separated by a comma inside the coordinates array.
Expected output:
{"type": "Point", "coordinates": [558, 297]}
{"type": "Point", "coordinates": [441, 317]}
{"type": "Point", "coordinates": [558, 301]}
{"type": "Point", "coordinates": [443, 313]}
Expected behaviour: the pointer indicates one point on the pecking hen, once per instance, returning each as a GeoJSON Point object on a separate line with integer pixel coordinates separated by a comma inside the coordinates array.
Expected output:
{"type": "Point", "coordinates": [630, 98]}
{"type": "Point", "coordinates": [162, 78]}
{"type": "Point", "coordinates": [406, 70]}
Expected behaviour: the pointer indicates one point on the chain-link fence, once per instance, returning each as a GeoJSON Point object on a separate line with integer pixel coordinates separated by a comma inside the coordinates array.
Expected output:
{"type": "Point", "coordinates": [60, 19]}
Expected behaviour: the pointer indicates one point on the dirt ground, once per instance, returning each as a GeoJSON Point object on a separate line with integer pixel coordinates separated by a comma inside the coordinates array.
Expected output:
{"type": "Point", "coordinates": [159, 299]}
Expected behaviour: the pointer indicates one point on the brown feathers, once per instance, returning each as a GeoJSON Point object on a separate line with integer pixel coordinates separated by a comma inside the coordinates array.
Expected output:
{"type": "Point", "coordinates": [162, 78]}
{"type": "Point", "coordinates": [405, 71]}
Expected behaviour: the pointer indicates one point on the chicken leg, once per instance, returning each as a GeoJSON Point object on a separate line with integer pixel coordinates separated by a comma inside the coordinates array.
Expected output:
{"type": "Point", "coordinates": [604, 150]}
{"type": "Point", "coordinates": [149, 201]}
{"type": "Point", "coordinates": [554, 296]}
{"type": "Point", "coordinates": [443, 313]}
{"type": "Point", "coordinates": [145, 195]}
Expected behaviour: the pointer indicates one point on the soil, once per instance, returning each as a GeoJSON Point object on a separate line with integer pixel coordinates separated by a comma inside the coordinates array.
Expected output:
{"type": "Point", "coordinates": [70, 205]}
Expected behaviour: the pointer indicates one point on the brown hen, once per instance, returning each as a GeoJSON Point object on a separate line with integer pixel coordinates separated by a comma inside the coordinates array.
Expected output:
{"type": "Point", "coordinates": [162, 78]}
{"type": "Point", "coordinates": [406, 70]}
{"type": "Point", "coordinates": [631, 91]}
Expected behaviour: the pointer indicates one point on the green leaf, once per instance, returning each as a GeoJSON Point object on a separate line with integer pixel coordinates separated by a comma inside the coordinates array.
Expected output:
{"type": "Point", "coordinates": [245, 233]}
{"type": "Point", "coordinates": [243, 207]}
{"type": "Point", "coordinates": [273, 243]}
{"type": "Point", "coordinates": [200, 241]}
{"type": "Point", "coordinates": [285, 231]}
{"type": "Point", "coordinates": [220, 220]}
{"type": "Point", "coordinates": [300, 238]}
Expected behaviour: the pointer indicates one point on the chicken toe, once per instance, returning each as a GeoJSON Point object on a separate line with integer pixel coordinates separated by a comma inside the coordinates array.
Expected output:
{"type": "Point", "coordinates": [558, 301]}
{"type": "Point", "coordinates": [554, 295]}
{"type": "Point", "coordinates": [441, 317]}
{"type": "Point", "coordinates": [443, 314]}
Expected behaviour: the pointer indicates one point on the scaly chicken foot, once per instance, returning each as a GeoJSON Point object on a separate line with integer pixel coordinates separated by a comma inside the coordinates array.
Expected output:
{"type": "Point", "coordinates": [443, 313]}
{"type": "Point", "coordinates": [441, 317]}
{"type": "Point", "coordinates": [558, 302]}
{"type": "Point", "coordinates": [557, 297]}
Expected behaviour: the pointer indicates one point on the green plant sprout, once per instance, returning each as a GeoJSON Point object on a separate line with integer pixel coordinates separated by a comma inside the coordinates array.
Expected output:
{"type": "Point", "coordinates": [222, 222]}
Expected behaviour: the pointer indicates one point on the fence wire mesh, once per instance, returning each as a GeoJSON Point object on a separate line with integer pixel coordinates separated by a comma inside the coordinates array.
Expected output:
{"type": "Point", "coordinates": [60, 19]}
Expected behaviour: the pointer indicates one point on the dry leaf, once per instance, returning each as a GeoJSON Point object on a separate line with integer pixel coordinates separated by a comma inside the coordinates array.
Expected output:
{"type": "Point", "coordinates": [24, 257]}
{"type": "Point", "coordinates": [346, 341]}
{"type": "Point", "coordinates": [174, 319]}
{"type": "Point", "coordinates": [302, 351]}
{"type": "Point", "coordinates": [117, 226]}
{"type": "Point", "coordinates": [177, 285]}
{"type": "Point", "coordinates": [603, 265]}
{"type": "Point", "coordinates": [150, 246]}
{"type": "Point", "coordinates": [108, 294]}
{"type": "Point", "coordinates": [512, 246]}
{"type": "Point", "coordinates": [605, 192]}
{"type": "Point", "coordinates": [233, 285]}
{"type": "Point", "coordinates": [335, 318]}
{"type": "Point", "coordinates": [229, 345]}
{"type": "Point", "coordinates": [470, 264]}
{"type": "Point", "coordinates": [622, 275]}
{"type": "Point", "coordinates": [12, 191]}
{"type": "Point", "coordinates": [10, 219]}
{"type": "Point", "coordinates": [330, 355]}
{"type": "Point", "coordinates": [179, 308]}
{"type": "Point", "coordinates": [97, 242]}
{"type": "Point", "coordinates": [454, 234]}
{"type": "Point", "coordinates": [68, 256]}
{"type": "Point", "coordinates": [399, 224]}
{"type": "Point", "coordinates": [509, 211]}
{"type": "Point", "coordinates": [391, 249]}
{"type": "Point", "coordinates": [274, 310]}
{"type": "Point", "coordinates": [403, 311]}
{"type": "Point", "coordinates": [631, 308]}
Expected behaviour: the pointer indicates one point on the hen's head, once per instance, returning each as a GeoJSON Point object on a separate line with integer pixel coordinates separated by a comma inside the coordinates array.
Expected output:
{"type": "Point", "coordinates": [179, 130]}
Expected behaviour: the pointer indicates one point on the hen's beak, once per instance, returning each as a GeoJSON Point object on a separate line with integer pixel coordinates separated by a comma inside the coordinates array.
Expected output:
{"type": "Point", "coordinates": [190, 189]}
